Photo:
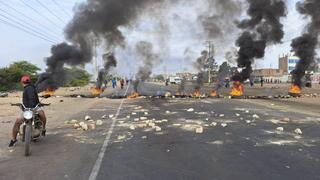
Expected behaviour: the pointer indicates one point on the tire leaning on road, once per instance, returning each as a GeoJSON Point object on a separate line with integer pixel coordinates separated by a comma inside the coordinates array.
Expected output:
{"type": "Point", "coordinates": [27, 139]}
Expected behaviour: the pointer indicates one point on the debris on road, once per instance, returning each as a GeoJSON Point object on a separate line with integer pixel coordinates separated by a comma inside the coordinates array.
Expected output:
{"type": "Point", "coordinates": [224, 124]}
{"type": "Point", "coordinates": [158, 129]}
{"type": "Point", "coordinates": [87, 117]}
{"type": "Point", "coordinates": [132, 127]}
{"type": "Point", "coordinates": [298, 131]}
{"type": "Point", "coordinates": [76, 126]}
{"type": "Point", "coordinates": [121, 137]}
{"type": "Point", "coordinates": [99, 122]}
{"type": "Point", "coordinates": [190, 110]}
{"type": "Point", "coordinates": [199, 130]}
{"type": "Point", "coordinates": [213, 124]}
{"type": "Point", "coordinates": [255, 116]}
{"type": "Point", "coordinates": [280, 129]}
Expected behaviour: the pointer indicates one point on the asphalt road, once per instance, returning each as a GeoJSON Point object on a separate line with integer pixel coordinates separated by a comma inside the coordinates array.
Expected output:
{"type": "Point", "coordinates": [248, 147]}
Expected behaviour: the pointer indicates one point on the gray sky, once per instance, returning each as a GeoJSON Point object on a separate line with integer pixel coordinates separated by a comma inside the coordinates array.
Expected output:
{"type": "Point", "coordinates": [182, 34]}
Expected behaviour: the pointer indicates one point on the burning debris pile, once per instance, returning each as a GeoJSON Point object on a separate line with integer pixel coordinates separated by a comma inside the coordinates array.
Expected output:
{"type": "Point", "coordinates": [109, 62]}
{"type": "Point", "coordinates": [305, 45]}
{"type": "Point", "coordinates": [149, 59]}
{"type": "Point", "coordinates": [260, 30]}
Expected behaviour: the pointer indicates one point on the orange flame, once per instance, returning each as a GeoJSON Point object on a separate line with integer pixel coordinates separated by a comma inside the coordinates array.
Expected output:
{"type": "Point", "coordinates": [295, 89]}
{"type": "Point", "coordinates": [96, 91]}
{"type": "Point", "coordinates": [196, 93]}
{"type": "Point", "coordinates": [48, 92]}
{"type": "Point", "coordinates": [237, 89]}
{"type": "Point", "coordinates": [214, 93]}
{"type": "Point", "coordinates": [179, 94]}
{"type": "Point", "coordinates": [135, 94]}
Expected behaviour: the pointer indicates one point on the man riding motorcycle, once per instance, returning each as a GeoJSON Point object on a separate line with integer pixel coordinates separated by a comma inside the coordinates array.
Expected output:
{"type": "Point", "coordinates": [30, 99]}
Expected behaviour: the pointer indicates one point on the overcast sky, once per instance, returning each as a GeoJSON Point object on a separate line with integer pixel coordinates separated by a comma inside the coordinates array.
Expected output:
{"type": "Point", "coordinates": [49, 18]}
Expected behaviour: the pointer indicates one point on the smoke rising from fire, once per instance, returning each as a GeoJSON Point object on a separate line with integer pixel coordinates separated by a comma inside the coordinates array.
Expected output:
{"type": "Point", "coordinates": [145, 51]}
{"type": "Point", "coordinates": [261, 29]}
{"type": "Point", "coordinates": [94, 19]}
{"type": "Point", "coordinates": [305, 45]}
{"type": "Point", "coordinates": [200, 65]}
{"type": "Point", "coordinates": [109, 62]}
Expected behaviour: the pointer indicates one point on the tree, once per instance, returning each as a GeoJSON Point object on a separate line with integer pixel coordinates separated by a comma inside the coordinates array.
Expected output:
{"type": "Point", "coordinates": [10, 76]}
{"type": "Point", "coordinates": [76, 77]}
{"type": "Point", "coordinates": [159, 77]}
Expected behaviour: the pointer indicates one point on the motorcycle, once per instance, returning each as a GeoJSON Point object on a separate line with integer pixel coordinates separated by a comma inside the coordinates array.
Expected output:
{"type": "Point", "coordinates": [32, 126]}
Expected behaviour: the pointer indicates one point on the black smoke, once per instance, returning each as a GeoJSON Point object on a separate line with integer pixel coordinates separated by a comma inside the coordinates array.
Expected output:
{"type": "Point", "coordinates": [200, 65]}
{"type": "Point", "coordinates": [93, 19]}
{"type": "Point", "coordinates": [109, 62]}
{"type": "Point", "coordinates": [145, 51]}
{"type": "Point", "coordinates": [305, 45]}
{"type": "Point", "coordinates": [261, 29]}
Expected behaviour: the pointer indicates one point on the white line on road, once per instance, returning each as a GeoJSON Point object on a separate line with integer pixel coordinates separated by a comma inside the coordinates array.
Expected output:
{"type": "Point", "coordinates": [96, 168]}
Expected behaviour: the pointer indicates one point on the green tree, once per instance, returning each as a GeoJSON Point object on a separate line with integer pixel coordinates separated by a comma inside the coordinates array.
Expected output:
{"type": "Point", "coordinates": [76, 77]}
{"type": "Point", "coordinates": [10, 76]}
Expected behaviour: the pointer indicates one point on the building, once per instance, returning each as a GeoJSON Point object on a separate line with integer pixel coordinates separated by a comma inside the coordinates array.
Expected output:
{"type": "Point", "coordinates": [287, 63]}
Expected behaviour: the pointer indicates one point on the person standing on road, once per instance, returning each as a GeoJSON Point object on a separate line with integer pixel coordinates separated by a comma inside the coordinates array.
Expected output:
{"type": "Point", "coordinates": [30, 99]}
{"type": "Point", "coordinates": [114, 83]}
{"type": "Point", "coordinates": [122, 83]}
{"type": "Point", "coordinates": [261, 81]}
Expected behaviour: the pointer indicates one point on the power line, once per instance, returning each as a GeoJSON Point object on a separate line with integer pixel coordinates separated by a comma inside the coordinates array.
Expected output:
{"type": "Point", "coordinates": [53, 14]}
{"type": "Point", "coordinates": [24, 30]}
{"type": "Point", "coordinates": [30, 19]}
{"type": "Point", "coordinates": [25, 27]}
{"type": "Point", "coordinates": [12, 18]}
{"type": "Point", "coordinates": [62, 9]}
{"type": "Point", "coordinates": [36, 11]}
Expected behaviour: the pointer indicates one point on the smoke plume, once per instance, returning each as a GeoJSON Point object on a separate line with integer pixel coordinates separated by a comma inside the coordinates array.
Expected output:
{"type": "Point", "coordinates": [200, 64]}
{"type": "Point", "coordinates": [109, 62]}
{"type": "Point", "coordinates": [149, 58]}
{"type": "Point", "coordinates": [217, 20]}
{"type": "Point", "coordinates": [261, 29]}
{"type": "Point", "coordinates": [94, 19]}
{"type": "Point", "coordinates": [305, 45]}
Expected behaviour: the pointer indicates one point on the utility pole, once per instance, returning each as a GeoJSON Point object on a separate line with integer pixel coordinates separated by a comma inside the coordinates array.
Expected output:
{"type": "Point", "coordinates": [211, 53]}
{"type": "Point", "coordinates": [95, 59]}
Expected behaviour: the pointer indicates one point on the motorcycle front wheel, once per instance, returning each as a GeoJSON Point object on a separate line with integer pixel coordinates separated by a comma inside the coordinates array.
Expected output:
{"type": "Point", "coordinates": [27, 138]}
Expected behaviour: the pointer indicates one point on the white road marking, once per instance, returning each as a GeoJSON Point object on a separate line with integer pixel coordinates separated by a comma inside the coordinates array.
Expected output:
{"type": "Point", "coordinates": [96, 168]}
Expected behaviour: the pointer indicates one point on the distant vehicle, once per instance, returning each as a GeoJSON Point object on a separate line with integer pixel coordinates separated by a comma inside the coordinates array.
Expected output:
{"type": "Point", "coordinates": [175, 80]}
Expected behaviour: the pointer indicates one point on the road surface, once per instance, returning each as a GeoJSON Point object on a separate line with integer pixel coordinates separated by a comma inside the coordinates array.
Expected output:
{"type": "Point", "coordinates": [239, 141]}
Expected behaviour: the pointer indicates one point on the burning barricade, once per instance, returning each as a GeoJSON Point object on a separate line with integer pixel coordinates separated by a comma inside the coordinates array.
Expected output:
{"type": "Point", "coordinates": [237, 89]}
{"type": "Point", "coordinates": [96, 92]}
{"type": "Point", "coordinates": [49, 92]}
{"type": "Point", "coordinates": [295, 90]}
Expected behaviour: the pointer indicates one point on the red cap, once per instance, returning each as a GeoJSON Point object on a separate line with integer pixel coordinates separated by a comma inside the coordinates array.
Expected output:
{"type": "Point", "coordinates": [25, 79]}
